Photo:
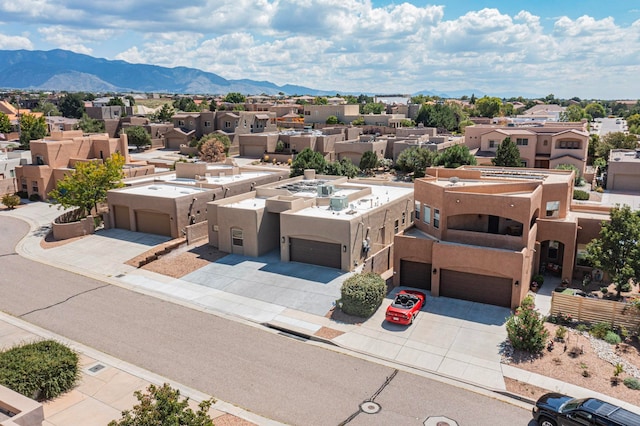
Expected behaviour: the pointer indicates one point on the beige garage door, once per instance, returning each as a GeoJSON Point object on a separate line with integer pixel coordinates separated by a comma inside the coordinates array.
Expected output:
{"type": "Point", "coordinates": [626, 183]}
{"type": "Point", "coordinates": [121, 217]}
{"type": "Point", "coordinates": [153, 223]}
{"type": "Point", "coordinates": [252, 151]}
{"type": "Point", "coordinates": [475, 287]}
{"type": "Point", "coordinates": [415, 274]}
{"type": "Point", "coordinates": [315, 252]}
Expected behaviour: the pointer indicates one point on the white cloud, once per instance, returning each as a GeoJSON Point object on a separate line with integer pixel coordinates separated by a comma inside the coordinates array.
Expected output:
{"type": "Point", "coordinates": [15, 42]}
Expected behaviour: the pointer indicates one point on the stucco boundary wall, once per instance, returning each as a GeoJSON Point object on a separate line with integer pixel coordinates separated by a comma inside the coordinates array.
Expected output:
{"type": "Point", "coordinates": [380, 261]}
{"type": "Point", "coordinates": [7, 186]}
{"type": "Point", "coordinates": [27, 411]}
{"type": "Point", "coordinates": [64, 231]}
{"type": "Point", "coordinates": [196, 232]}
{"type": "Point", "coordinates": [595, 310]}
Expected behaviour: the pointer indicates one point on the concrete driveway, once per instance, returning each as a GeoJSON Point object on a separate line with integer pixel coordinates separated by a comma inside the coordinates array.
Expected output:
{"type": "Point", "coordinates": [451, 337]}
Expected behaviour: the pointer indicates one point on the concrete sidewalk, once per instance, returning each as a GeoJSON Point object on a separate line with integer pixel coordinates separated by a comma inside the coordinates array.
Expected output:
{"type": "Point", "coordinates": [451, 339]}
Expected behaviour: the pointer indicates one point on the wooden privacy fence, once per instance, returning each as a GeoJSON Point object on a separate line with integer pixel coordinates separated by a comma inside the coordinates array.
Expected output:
{"type": "Point", "coordinates": [590, 310]}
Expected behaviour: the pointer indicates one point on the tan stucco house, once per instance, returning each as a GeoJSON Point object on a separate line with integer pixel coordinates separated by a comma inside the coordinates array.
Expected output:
{"type": "Point", "coordinates": [623, 170]}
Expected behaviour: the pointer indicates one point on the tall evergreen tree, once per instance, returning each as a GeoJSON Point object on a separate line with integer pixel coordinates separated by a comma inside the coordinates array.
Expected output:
{"type": "Point", "coordinates": [507, 154]}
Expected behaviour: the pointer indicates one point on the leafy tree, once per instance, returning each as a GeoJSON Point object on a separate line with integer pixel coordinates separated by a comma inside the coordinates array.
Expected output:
{"type": "Point", "coordinates": [507, 110]}
{"type": "Point", "coordinates": [90, 125]}
{"type": "Point", "coordinates": [444, 116]}
{"type": "Point", "coordinates": [235, 98]}
{"type": "Point", "coordinates": [572, 113]}
{"type": "Point", "coordinates": [525, 328]}
{"type": "Point", "coordinates": [31, 128]}
{"type": "Point", "coordinates": [507, 154]}
{"type": "Point", "coordinates": [633, 121]}
{"type": "Point", "coordinates": [185, 104]}
{"type": "Point", "coordinates": [472, 100]}
{"type": "Point", "coordinates": [308, 159]}
{"type": "Point", "coordinates": [488, 107]}
{"type": "Point", "coordinates": [5, 123]}
{"type": "Point", "coordinates": [407, 123]}
{"type": "Point", "coordinates": [116, 101]}
{"type": "Point", "coordinates": [615, 140]}
{"type": "Point", "coordinates": [88, 184]}
{"type": "Point", "coordinates": [358, 121]}
{"type": "Point", "coordinates": [163, 406]}
{"type": "Point", "coordinates": [131, 100]}
{"type": "Point", "coordinates": [617, 249]}
{"type": "Point", "coordinates": [212, 151]}
{"type": "Point", "coordinates": [343, 167]}
{"type": "Point", "coordinates": [72, 105]}
{"type": "Point", "coordinates": [595, 110]}
{"type": "Point", "coordinates": [10, 201]}
{"type": "Point", "coordinates": [455, 156]}
{"type": "Point", "coordinates": [369, 161]}
{"type": "Point", "coordinates": [373, 108]}
{"type": "Point", "coordinates": [138, 136]}
{"type": "Point", "coordinates": [320, 100]}
{"type": "Point", "coordinates": [48, 109]}
{"type": "Point", "coordinates": [464, 123]}
{"type": "Point", "coordinates": [222, 138]}
{"type": "Point", "coordinates": [165, 113]}
{"type": "Point", "coordinates": [332, 119]}
{"type": "Point", "coordinates": [577, 181]}
{"type": "Point", "coordinates": [362, 294]}
{"type": "Point", "coordinates": [415, 160]}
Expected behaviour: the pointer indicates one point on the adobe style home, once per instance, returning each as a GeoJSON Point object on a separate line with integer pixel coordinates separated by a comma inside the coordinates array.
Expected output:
{"type": "Point", "coordinates": [543, 146]}
{"type": "Point", "coordinates": [55, 156]}
{"type": "Point", "coordinates": [166, 203]}
{"type": "Point", "coordinates": [481, 233]}
{"type": "Point", "coordinates": [322, 220]}
{"type": "Point", "coordinates": [623, 170]}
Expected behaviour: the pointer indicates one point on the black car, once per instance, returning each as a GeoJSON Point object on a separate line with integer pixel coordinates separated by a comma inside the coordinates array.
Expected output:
{"type": "Point", "coordinates": [556, 409]}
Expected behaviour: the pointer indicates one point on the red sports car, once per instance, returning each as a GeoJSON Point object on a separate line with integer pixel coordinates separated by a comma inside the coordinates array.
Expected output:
{"type": "Point", "coordinates": [405, 307]}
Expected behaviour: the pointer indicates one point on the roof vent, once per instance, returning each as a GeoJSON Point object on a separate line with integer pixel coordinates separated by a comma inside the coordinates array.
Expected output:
{"type": "Point", "coordinates": [453, 180]}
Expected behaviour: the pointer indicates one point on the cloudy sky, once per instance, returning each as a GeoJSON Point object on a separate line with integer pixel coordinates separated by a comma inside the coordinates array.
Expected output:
{"type": "Point", "coordinates": [587, 48]}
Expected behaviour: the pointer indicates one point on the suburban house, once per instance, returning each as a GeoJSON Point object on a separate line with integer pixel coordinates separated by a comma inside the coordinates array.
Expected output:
{"type": "Point", "coordinates": [320, 113]}
{"type": "Point", "coordinates": [323, 220]}
{"type": "Point", "coordinates": [481, 233]}
{"type": "Point", "coordinates": [623, 170]}
{"type": "Point", "coordinates": [188, 126]}
{"type": "Point", "coordinates": [166, 203]}
{"type": "Point", "coordinates": [354, 149]}
{"type": "Point", "coordinates": [53, 157]}
{"type": "Point", "coordinates": [542, 146]}
{"type": "Point", "coordinates": [9, 160]}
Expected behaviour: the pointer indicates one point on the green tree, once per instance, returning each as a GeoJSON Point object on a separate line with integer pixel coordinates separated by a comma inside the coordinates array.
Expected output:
{"type": "Point", "coordinates": [31, 128]}
{"type": "Point", "coordinates": [577, 180]}
{"type": "Point", "coordinates": [72, 105]}
{"type": "Point", "coordinates": [525, 328]}
{"type": "Point", "coordinates": [308, 159]}
{"type": "Point", "coordinates": [5, 123]}
{"type": "Point", "coordinates": [368, 162]}
{"type": "Point", "coordinates": [220, 137]}
{"type": "Point", "coordinates": [165, 113]}
{"type": "Point", "coordinates": [572, 113]}
{"type": "Point", "coordinates": [164, 406]}
{"type": "Point", "coordinates": [235, 98]}
{"type": "Point", "coordinates": [320, 100]}
{"type": "Point", "coordinates": [185, 104]}
{"type": "Point", "coordinates": [343, 167]}
{"type": "Point", "coordinates": [633, 121]}
{"type": "Point", "coordinates": [332, 119]}
{"type": "Point", "coordinates": [617, 249]}
{"type": "Point", "coordinates": [595, 110]}
{"type": "Point", "coordinates": [10, 201]}
{"type": "Point", "coordinates": [116, 101]}
{"type": "Point", "coordinates": [90, 125]}
{"type": "Point", "coordinates": [455, 156]}
{"type": "Point", "coordinates": [615, 140]}
{"type": "Point", "coordinates": [48, 109]}
{"type": "Point", "coordinates": [488, 107]}
{"type": "Point", "coordinates": [131, 100]}
{"type": "Point", "coordinates": [373, 108]}
{"type": "Point", "coordinates": [138, 136]}
{"type": "Point", "coordinates": [507, 154]}
{"type": "Point", "coordinates": [212, 151]}
{"type": "Point", "coordinates": [87, 185]}
{"type": "Point", "coordinates": [358, 121]}
{"type": "Point", "coordinates": [415, 160]}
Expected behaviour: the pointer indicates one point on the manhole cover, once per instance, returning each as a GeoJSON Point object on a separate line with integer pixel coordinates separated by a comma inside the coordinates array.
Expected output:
{"type": "Point", "coordinates": [439, 421]}
{"type": "Point", "coordinates": [370, 407]}
{"type": "Point", "coordinates": [96, 368]}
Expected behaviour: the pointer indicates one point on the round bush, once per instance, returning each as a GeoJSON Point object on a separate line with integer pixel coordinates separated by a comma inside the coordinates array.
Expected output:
{"type": "Point", "coordinates": [579, 194]}
{"type": "Point", "coordinates": [632, 383]}
{"type": "Point", "coordinates": [34, 197]}
{"type": "Point", "coordinates": [362, 294]}
{"type": "Point", "coordinates": [40, 370]}
{"type": "Point", "coordinates": [600, 330]}
{"type": "Point", "coordinates": [612, 338]}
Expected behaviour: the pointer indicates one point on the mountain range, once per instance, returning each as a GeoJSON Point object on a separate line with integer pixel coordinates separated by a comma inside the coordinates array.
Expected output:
{"type": "Point", "coordinates": [63, 70]}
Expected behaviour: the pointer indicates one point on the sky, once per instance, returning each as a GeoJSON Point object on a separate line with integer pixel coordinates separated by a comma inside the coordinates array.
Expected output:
{"type": "Point", "coordinates": [588, 48]}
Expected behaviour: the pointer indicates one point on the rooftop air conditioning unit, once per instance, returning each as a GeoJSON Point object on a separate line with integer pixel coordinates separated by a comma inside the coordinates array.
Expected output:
{"type": "Point", "coordinates": [325, 190]}
{"type": "Point", "coordinates": [339, 202]}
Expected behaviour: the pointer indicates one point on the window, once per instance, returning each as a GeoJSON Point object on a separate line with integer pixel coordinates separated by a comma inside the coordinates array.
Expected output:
{"type": "Point", "coordinates": [404, 215]}
{"type": "Point", "coordinates": [34, 186]}
{"type": "Point", "coordinates": [545, 142]}
{"type": "Point", "coordinates": [417, 210]}
{"type": "Point", "coordinates": [581, 255]}
{"type": "Point", "coordinates": [39, 160]}
{"type": "Point", "coordinates": [522, 141]}
{"type": "Point", "coordinates": [523, 163]}
{"type": "Point", "coordinates": [563, 144]}
{"type": "Point", "coordinates": [493, 144]}
{"type": "Point", "coordinates": [395, 227]}
{"type": "Point", "coordinates": [307, 113]}
{"type": "Point", "coordinates": [180, 123]}
{"type": "Point", "coordinates": [426, 218]}
{"type": "Point", "coordinates": [12, 173]}
{"type": "Point", "coordinates": [227, 124]}
{"type": "Point", "coordinates": [24, 184]}
{"type": "Point", "coordinates": [553, 208]}
{"type": "Point", "coordinates": [436, 218]}
{"type": "Point", "coordinates": [207, 124]}
{"type": "Point", "coordinates": [237, 237]}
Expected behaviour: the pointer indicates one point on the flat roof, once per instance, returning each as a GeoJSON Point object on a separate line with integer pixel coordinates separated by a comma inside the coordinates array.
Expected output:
{"type": "Point", "coordinates": [213, 180]}
{"type": "Point", "coordinates": [255, 203]}
{"type": "Point", "coordinates": [380, 195]}
{"type": "Point", "coordinates": [624, 155]}
{"type": "Point", "coordinates": [162, 190]}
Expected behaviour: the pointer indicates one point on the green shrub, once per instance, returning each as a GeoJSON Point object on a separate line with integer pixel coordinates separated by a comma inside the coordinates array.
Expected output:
{"type": "Point", "coordinates": [632, 383]}
{"type": "Point", "coordinates": [612, 338]}
{"type": "Point", "coordinates": [625, 287]}
{"type": "Point", "coordinates": [34, 197]}
{"type": "Point", "coordinates": [10, 201]}
{"type": "Point", "coordinates": [582, 327]}
{"type": "Point", "coordinates": [362, 294]}
{"type": "Point", "coordinates": [23, 194]}
{"type": "Point", "coordinates": [40, 370]}
{"type": "Point", "coordinates": [525, 328]}
{"type": "Point", "coordinates": [579, 194]}
{"type": "Point", "coordinates": [600, 330]}
{"type": "Point", "coordinates": [604, 290]}
{"type": "Point", "coordinates": [539, 278]}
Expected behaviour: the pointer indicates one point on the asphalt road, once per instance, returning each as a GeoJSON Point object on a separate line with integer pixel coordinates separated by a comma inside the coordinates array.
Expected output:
{"type": "Point", "coordinates": [278, 377]}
